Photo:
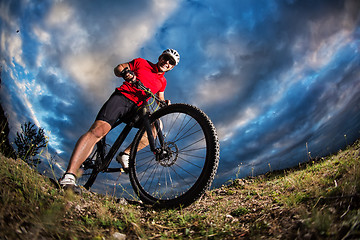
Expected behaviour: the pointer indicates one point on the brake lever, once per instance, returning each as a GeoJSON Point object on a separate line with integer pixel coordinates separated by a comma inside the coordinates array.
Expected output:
{"type": "Point", "coordinates": [163, 104]}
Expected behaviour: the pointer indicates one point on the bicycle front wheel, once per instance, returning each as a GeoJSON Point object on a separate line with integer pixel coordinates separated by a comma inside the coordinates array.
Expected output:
{"type": "Point", "coordinates": [189, 167]}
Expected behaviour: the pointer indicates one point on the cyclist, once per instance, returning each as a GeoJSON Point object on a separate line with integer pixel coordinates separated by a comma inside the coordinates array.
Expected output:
{"type": "Point", "coordinates": [121, 103]}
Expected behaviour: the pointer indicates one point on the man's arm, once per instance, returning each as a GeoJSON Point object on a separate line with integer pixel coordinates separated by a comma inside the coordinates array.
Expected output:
{"type": "Point", "coordinates": [130, 76]}
{"type": "Point", "coordinates": [161, 96]}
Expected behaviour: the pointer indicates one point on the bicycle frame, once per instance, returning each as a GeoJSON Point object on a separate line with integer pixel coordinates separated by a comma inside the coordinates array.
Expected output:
{"type": "Point", "coordinates": [171, 173]}
{"type": "Point", "coordinates": [106, 160]}
{"type": "Point", "coordinates": [160, 152]}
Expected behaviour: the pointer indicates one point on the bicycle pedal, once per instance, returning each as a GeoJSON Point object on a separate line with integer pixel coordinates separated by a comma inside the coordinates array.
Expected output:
{"type": "Point", "coordinates": [122, 170]}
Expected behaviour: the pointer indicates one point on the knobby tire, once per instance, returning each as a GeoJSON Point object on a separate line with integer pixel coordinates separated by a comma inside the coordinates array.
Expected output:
{"type": "Point", "coordinates": [182, 178]}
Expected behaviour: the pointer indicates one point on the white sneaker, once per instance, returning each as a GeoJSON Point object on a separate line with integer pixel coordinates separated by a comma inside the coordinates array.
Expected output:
{"type": "Point", "coordinates": [123, 159]}
{"type": "Point", "coordinates": [67, 179]}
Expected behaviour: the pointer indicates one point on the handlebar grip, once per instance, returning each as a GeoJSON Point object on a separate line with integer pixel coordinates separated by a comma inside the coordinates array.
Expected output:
{"type": "Point", "coordinates": [163, 103]}
{"type": "Point", "coordinates": [138, 84]}
{"type": "Point", "coordinates": [125, 71]}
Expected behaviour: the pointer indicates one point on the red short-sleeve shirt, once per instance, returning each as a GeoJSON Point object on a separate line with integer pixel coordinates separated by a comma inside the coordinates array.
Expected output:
{"type": "Point", "coordinates": [147, 73]}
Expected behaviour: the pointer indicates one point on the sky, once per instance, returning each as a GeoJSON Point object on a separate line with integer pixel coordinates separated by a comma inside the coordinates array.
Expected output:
{"type": "Point", "coordinates": [279, 79]}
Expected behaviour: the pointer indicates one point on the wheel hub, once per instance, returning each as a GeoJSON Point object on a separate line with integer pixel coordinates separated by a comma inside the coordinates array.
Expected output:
{"type": "Point", "coordinates": [168, 155]}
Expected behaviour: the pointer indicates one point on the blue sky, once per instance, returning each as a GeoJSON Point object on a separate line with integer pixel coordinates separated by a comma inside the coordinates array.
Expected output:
{"type": "Point", "coordinates": [279, 79]}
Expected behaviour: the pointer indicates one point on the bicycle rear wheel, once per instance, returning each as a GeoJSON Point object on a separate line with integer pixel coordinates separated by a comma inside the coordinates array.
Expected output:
{"type": "Point", "coordinates": [191, 162]}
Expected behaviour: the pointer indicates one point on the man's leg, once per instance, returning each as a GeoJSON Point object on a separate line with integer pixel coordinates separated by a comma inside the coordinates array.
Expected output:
{"type": "Point", "coordinates": [86, 143]}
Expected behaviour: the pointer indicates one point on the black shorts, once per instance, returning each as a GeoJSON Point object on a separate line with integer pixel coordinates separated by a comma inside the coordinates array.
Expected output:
{"type": "Point", "coordinates": [117, 107]}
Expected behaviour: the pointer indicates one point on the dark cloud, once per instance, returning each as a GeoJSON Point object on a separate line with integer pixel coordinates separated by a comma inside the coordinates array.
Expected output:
{"type": "Point", "coordinates": [270, 39]}
{"type": "Point", "coordinates": [274, 76]}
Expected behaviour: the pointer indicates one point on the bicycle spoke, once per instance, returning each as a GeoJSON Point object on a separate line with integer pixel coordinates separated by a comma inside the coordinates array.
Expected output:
{"type": "Point", "coordinates": [145, 161]}
{"type": "Point", "coordinates": [182, 127]}
{"type": "Point", "coordinates": [187, 136]}
{"type": "Point", "coordinates": [158, 185]}
{"type": "Point", "coordinates": [172, 124]}
{"type": "Point", "coordinates": [182, 130]}
{"type": "Point", "coordinates": [195, 177]}
{"type": "Point", "coordinates": [191, 163]}
{"type": "Point", "coordinates": [152, 174]}
{"type": "Point", "coordinates": [148, 167]}
{"type": "Point", "coordinates": [192, 144]}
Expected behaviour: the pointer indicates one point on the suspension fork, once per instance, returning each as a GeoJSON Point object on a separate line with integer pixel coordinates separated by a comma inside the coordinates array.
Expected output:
{"type": "Point", "coordinates": [149, 132]}
{"type": "Point", "coordinates": [159, 131]}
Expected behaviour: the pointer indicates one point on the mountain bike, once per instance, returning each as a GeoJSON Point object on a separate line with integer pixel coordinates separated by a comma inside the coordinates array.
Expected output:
{"type": "Point", "coordinates": [180, 161]}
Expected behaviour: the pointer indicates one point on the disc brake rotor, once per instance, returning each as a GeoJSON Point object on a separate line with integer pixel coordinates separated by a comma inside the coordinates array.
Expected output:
{"type": "Point", "coordinates": [168, 155]}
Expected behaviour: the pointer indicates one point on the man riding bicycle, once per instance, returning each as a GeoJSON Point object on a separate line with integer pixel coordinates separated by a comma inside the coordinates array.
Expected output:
{"type": "Point", "coordinates": [121, 103]}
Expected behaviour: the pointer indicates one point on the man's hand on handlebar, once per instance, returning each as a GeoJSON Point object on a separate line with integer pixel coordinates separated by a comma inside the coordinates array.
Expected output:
{"type": "Point", "coordinates": [128, 75]}
{"type": "Point", "coordinates": [163, 103]}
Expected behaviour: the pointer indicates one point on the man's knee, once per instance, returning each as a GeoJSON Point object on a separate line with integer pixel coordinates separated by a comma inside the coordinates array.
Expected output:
{"type": "Point", "coordinates": [99, 129]}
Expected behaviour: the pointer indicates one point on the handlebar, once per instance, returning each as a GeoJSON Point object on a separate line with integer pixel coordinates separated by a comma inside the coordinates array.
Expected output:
{"type": "Point", "coordinates": [139, 85]}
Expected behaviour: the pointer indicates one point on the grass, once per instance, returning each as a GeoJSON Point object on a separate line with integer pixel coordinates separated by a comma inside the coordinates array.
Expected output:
{"type": "Point", "coordinates": [319, 200]}
{"type": "Point", "coordinates": [32, 208]}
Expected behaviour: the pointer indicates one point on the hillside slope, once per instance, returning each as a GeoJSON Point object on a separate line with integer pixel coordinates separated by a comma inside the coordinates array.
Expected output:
{"type": "Point", "coordinates": [318, 200]}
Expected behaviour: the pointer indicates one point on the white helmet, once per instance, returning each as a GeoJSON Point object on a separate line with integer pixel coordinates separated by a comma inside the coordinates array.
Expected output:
{"type": "Point", "coordinates": [172, 53]}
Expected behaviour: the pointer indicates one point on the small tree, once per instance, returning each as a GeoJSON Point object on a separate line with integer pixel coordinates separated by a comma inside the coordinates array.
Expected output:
{"type": "Point", "coordinates": [5, 146]}
{"type": "Point", "coordinates": [29, 142]}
